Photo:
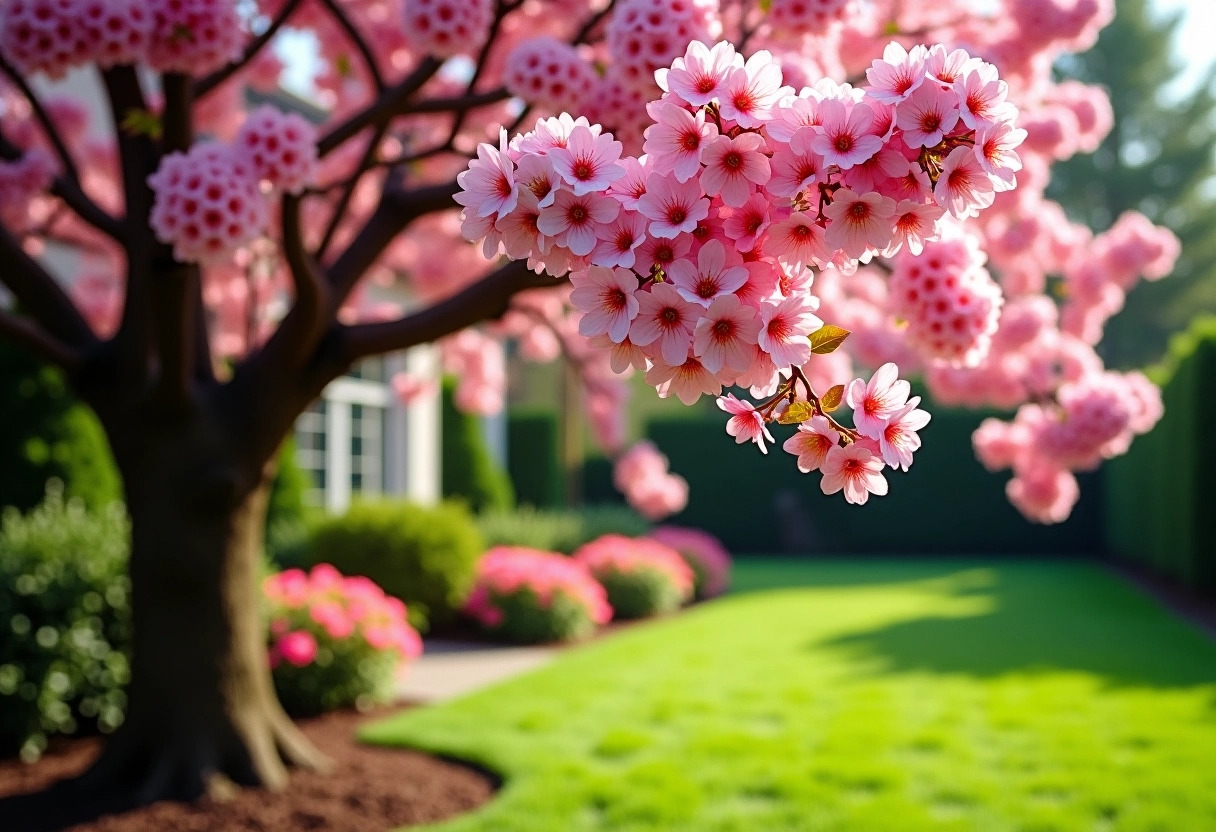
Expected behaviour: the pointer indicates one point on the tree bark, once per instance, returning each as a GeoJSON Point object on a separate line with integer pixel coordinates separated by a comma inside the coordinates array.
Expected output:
{"type": "Point", "coordinates": [202, 711]}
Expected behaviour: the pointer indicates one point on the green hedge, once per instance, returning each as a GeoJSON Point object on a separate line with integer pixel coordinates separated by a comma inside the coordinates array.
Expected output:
{"type": "Point", "coordinates": [469, 472]}
{"type": "Point", "coordinates": [946, 503]}
{"type": "Point", "coordinates": [532, 457]}
{"type": "Point", "coordinates": [559, 530]}
{"type": "Point", "coordinates": [1161, 495]}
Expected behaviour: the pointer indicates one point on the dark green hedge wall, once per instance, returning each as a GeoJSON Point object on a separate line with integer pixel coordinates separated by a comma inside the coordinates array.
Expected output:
{"type": "Point", "coordinates": [946, 503]}
{"type": "Point", "coordinates": [1161, 503]}
{"type": "Point", "coordinates": [532, 456]}
{"type": "Point", "coordinates": [469, 471]}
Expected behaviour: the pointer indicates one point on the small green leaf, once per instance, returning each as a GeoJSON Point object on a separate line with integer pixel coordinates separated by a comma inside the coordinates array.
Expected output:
{"type": "Point", "coordinates": [831, 400]}
{"type": "Point", "coordinates": [182, 32]}
{"type": "Point", "coordinates": [827, 338]}
{"type": "Point", "coordinates": [892, 28]}
{"type": "Point", "coordinates": [766, 6]}
{"type": "Point", "coordinates": [797, 413]}
{"type": "Point", "coordinates": [343, 65]}
{"type": "Point", "coordinates": [142, 123]}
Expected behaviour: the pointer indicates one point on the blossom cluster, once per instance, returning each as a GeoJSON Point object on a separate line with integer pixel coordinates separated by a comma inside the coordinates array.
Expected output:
{"type": "Point", "coordinates": [704, 553]}
{"type": "Point", "coordinates": [642, 576]}
{"type": "Point", "coordinates": [530, 595]}
{"type": "Point", "coordinates": [335, 640]}
{"type": "Point", "coordinates": [212, 199]}
{"type": "Point", "coordinates": [693, 263]}
{"type": "Point", "coordinates": [643, 476]}
{"type": "Point", "coordinates": [52, 36]}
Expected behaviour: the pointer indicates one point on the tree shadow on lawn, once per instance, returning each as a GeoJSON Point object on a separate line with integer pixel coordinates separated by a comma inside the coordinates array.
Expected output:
{"type": "Point", "coordinates": [1024, 617]}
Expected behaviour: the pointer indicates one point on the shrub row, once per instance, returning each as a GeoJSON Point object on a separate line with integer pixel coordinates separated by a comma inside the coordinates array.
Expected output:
{"type": "Point", "coordinates": [559, 530]}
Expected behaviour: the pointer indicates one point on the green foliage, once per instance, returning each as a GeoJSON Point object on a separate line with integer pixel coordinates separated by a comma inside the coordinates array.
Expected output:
{"type": "Point", "coordinates": [858, 696]}
{"type": "Point", "coordinates": [427, 557]}
{"type": "Point", "coordinates": [346, 673]}
{"type": "Point", "coordinates": [526, 621]}
{"type": "Point", "coordinates": [1161, 494]}
{"type": "Point", "coordinates": [287, 516]}
{"type": "Point", "coordinates": [532, 456]}
{"type": "Point", "coordinates": [65, 620]}
{"type": "Point", "coordinates": [45, 433]}
{"type": "Point", "coordinates": [640, 592]}
{"type": "Point", "coordinates": [1159, 160]}
{"type": "Point", "coordinates": [469, 472]}
{"type": "Point", "coordinates": [559, 530]}
{"type": "Point", "coordinates": [762, 506]}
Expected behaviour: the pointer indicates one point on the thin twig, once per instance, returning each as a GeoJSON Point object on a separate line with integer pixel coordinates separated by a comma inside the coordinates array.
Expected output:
{"type": "Point", "coordinates": [208, 83]}
{"type": "Point", "coordinates": [44, 119]}
{"type": "Point", "coordinates": [356, 38]}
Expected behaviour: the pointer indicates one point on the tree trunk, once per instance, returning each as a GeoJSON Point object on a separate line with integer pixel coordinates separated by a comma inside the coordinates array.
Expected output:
{"type": "Point", "coordinates": [202, 710]}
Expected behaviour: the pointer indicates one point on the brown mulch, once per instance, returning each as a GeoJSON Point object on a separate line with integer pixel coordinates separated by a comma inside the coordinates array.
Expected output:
{"type": "Point", "coordinates": [371, 789]}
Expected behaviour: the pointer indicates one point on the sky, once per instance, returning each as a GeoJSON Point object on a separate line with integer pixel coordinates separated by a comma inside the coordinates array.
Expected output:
{"type": "Point", "coordinates": [1196, 39]}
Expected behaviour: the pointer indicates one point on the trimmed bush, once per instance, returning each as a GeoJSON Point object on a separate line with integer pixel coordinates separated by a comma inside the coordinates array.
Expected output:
{"type": "Point", "coordinates": [704, 553]}
{"type": "Point", "coordinates": [641, 576]}
{"type": "Point", "coordinates": [529, 597]}
{"type": "Point", "coordinates": [45, 433]}
{"type": "Point", "coordinates": [532, 457]}
{"type": "Point", "coordinates": [65, 620]}
{"type": "Point", "coordinates": [559, 530]}
{"type": "Point", "coordinates": [427, 557]}
{"type": "Point", "coordinates": [1160, 495]}
{"type": "Point", "coordinates": [469, 472]}
{"type": "Point", "coordinates": [287, 515]}
{"type": "Point", "coordinates": [334, 641]}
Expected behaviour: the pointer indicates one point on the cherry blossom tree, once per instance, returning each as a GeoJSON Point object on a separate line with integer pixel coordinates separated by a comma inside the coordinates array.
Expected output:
{"type": "Point", "coordinates": [715, 193]}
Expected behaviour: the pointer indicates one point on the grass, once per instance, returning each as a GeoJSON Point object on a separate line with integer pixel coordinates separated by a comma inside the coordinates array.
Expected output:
{"type": "Point", "coordinates": [864, 696]}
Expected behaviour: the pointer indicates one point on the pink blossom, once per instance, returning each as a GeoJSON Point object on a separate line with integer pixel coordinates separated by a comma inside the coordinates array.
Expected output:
{"type": "Point", "coordinates": [963, 187]}
{"type": "Point", "coordinates": [487, 188]}
{"type": "Point", "coordinates": [618, 243]}
{"type": "Point", "coordinates": [859, 222]}
{"type": "Point", "coordinates": [751, 91]}
{"type": "Point", "coordinates": [411, 388]}
{"type": "Point", "coordinates": [700, 76]}
{"type": "Point", "coordinates": [535, 174]}
{"type": "Point", "coordinates": [726, 334]}
{"type": "Point", "coordinates": [607, 299]}
{"type": "Point", "coordinates": [897, 74]}
{"type": "Point", "coordinates": [745, 423]}
{"type": "Point", "coordinates": [785, 326]}
{"type": "Point", "coordinates": [676, 141]}
{"type": "Point", "coordinates": [576, 221]}
{"type": "Point", "coordinates": [672, 207]}
{"type": "Point", "coordinates": [688, 380]}
{"type": "Point", "coordinates": [915, 222]}
{"type": "Point", "coordinates": [812, 442]}
{"type": "Point", "coordinates": [927, 115]}
{"type": "Point", "coordinates": [796, 166]}
{"type": "Point", "coordinates": [717, 272]}
{"type": "Point", "coordinates": [799, 240]}
{"type": "Point", "coordinates": [995, 151]}
{"type": "Point", "coordinates": [666, 317]}
{"type": "Point", "coordinates": [856, 470]}
{"type": "Point", "coordinates": [899, 439]}
{"type": "Point", "coordinates": [876, 402]}
{"type": "Point", "coordinates": [843, 139]}
{"type": "Point", "coordinates": [1043, 493]}
{"type": "Point", "coordinates": [745, 224]}
{"type": "Point", "coordinates": [981, 95]}
{"type": "Point", "coordinates": [733, 166]}
{"type": "Point", "coordinates": [588, 162]}
{"type": "Point", "coordinates": [297, 648]}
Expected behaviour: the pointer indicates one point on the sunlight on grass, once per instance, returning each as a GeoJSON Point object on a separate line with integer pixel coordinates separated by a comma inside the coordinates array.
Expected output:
{"type": "Point", "coordinates": [865, 696]}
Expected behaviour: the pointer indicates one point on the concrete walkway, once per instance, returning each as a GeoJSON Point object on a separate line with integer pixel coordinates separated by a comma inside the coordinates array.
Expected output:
{"type": "Point", "coordinates": [450, 668]}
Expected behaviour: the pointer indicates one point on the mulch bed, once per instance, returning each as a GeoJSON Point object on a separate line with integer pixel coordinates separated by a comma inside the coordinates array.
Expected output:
{"type": "Point", "coordinates": [371, 789]}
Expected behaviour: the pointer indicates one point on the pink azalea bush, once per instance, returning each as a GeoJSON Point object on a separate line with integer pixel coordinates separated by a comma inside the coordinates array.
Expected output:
{"type": "Point", "coordinates": [642, 576]}
{"type": "Point", "coordinates": [530, 596]}
{"type": "Point", "coordinates": [335, 641]}
{"type": "Point", "coordinates": [704, 553]}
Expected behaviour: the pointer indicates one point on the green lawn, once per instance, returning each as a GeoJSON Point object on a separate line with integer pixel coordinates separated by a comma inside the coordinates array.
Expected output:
{"type": "Point", "coordinates": [859, 695]}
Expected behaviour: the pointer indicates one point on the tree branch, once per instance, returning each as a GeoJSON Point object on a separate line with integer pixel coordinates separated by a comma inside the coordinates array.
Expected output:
{"type": "Point", "coordinates": [41, 296]}
{"type": "Point", "coordinates": [210, 82]}
{"type": "Point", "coordinates": [487, 299]}
{"type": "Point", "coordinates": [26, 333]}
{"type": "Point", "coordinates": [348, 191]}
{"type": "Point", "coordinates": [357, 40]}
{"type": "Point", "coordinates": [387, 105]}
{"type": "Point", "coordinates": [44, 119]}
{"type": "Point", "coordinates": [304, 325]}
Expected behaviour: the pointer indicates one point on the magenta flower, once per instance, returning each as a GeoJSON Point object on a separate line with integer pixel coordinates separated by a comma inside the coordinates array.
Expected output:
{"type": "Point", "coordinates": [876, 402]}
{"type": "Point", "coordinates": [844, 139]}
{"type": "Point", "coordinates": [856, 470]}
{"type": "Point", "coordinates": [717, 272]}
{"type": "Point", "coordinates": [675, 142]}
{"type": "Point", "coordinates": [672, 207]}
{"type": "Point", "coordinates": [666, 317]}
{"type": "Point", "coordinates": [576, 221]}
{"type": "Point", "coordinates": [733, 166]}
{"type": "Point", "coordinates": [607, 299]}
{"type": "Point", "coordinates": [752, 91]}
{"type": "Point", "coordinates": [487, 188]}
{"type": "Point", "coordinates": [619, 241]}
{"type": "Point", "coordinates": [699, 77]}
{"type": "Point", "coordinates": [588, 162]}
{"type": "Point", "coordinates": [297, 648]}
{"type": "Point", "coordinates": [725, 336]}
{"type": "Point", "coordinates": [745, 423]}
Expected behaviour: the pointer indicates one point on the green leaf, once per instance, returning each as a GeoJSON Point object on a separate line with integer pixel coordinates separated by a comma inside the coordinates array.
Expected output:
{"type": "Point", "coordinates": [142, 123]}
{"type": "Point", "coordinates": [797, 413]}
{"type": "Point", "coordinates": [343, 65]}
{"type": "Point", "coordinates": [766, 6]}
{"type": "Point", "coordinates": [827, 338]}
{"type": "Point", "coordinates": [832, 399]}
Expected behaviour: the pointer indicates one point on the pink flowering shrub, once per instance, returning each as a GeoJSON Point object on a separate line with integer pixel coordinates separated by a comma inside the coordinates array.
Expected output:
{"type": "Point", "coordinates": [704, 553]}
{"type": "Point", "coordinates": [529, 596]}
{"type": "Point", "coordinates": [335, 641]}
{"type": "Point", "coordinates": [642, 576]}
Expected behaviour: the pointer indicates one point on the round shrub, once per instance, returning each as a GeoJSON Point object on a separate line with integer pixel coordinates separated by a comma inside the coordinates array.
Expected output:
{"type": "Point", "coordinates": [529, 596]}
{"type": "Point", "coordinates": [427, 557]}
{"type": "Point", "coordinates": [334, 641]}
{"type": "Point", "coordinates": [558, 530]}
{"type": "Point", "coordinates": [703, 552]}
{"type": "Point", "coordinates": [65, 621]}
{"type": "Point", "coordinates": [641, 576]}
